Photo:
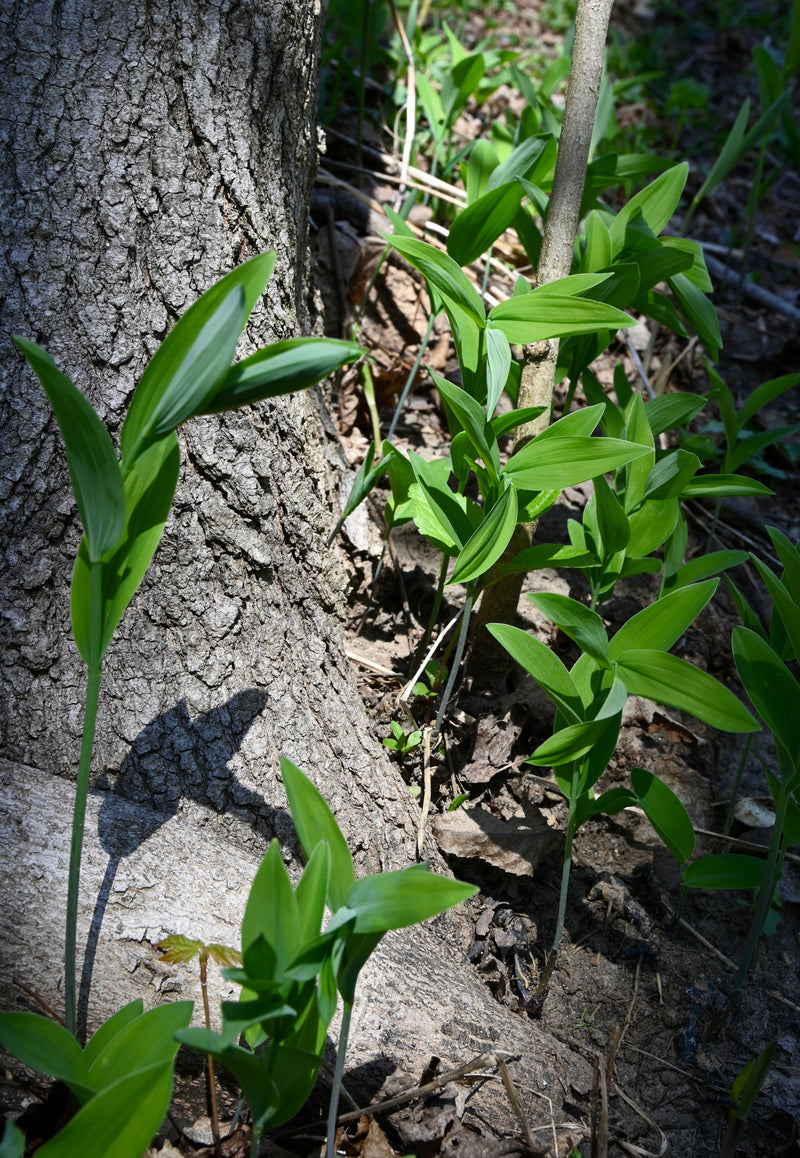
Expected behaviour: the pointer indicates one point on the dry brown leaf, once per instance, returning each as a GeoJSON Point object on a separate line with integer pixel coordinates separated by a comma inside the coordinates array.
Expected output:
{"type": "Point", "coordinates": [515, 845]}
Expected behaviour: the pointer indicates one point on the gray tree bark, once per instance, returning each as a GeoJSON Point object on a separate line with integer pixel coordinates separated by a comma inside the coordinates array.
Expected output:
{"type": "Point", "coordinates": [146, 149]}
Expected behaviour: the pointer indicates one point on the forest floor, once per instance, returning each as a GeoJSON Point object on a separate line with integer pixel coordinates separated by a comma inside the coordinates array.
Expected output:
{"type": "Point", "coordinates": [635, 990]}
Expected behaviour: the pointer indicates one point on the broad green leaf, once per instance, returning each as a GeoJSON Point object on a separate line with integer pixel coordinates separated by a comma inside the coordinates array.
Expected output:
{"type": "Point", "coordinates": [657, 265]}
{"type": "Point", "coordinates": [281, 368]}
{"type": "Point", "coordinates": [148, 1041]}
{"type": "Point", "coordinates": [394, 900]}
{"type": "Point", "coordinates": [271, 911]}
{"type": "Point", "coordinates": [698, 272]}
{"type": "Point", "coordinates": [110, 1028]}
{"type": "Point", "coordinates": [764, 394]}
{"type": "Point", "coordinates": [612, 522]}
{"type": "Point", "coordinates": [504, 423]}
{"type": "Point", "coordinates": [314, 822]}
{"type": "Point", "coordinates": [555, 463]}
{"type": "Point", "coordinates": [715, 486]}
{"type": "Point", "coordinates": [555, 313]}
{"type": "Point", "coordinates": [699, 313]}
{"type": "Point", "coordinates": [149, 489]}
{"type": "Point", "coordinates": [670, 411]}
{"type": "Point", "coordinates": [489, 541]}
{"type": "Point", "coordinates": [668, 680]}
{"type": "Point", "coordinates": [576, 621]}
{"type": "Point", "coordinates": [573, 742]}
{"type": "Point", "coordinates": [652, 524]}
{"type": "Point", "coordinates": [443, 273]}
{"type": "Point", "coordinates": [597, 254]}
{"type": "Point", "coordinates": [460, 83]}
{"type": "Point", "coordinates": [367, 477]}
{"type": "Point", "coordinates": [449, 509]}
{"type": "Point", "coordinates": [665, 812]}
{"type": "Point", "coordinates": [653, 206]}
{"type": "Point", "coordinates": [704, 566]}
{"type": "Point", "coordinates": [660, 626]}
{"type": "Point", "coordinates": [746, 613]}
{"type": "Point", "coordinates": [671, 475]}
{"type": "Point", "coordinates": [44, 1045]}
{"type": "Point", "coordinates": [312, 888]}
{"type": "Point", "coordinates": [533, 159]}
{"type": "Point", "coordinates": [750, 445]}
{"type": "Point", "coordinates": [477, 228]}
{"type": "Point", "coordinates": [773, 690]}
{"type": "Point", "coordinates": [498, 365]}
{"type": "Point", "coordinates": [729, 155]}
{"type": "Point", "coordinates": [725, 870]}
{"type": "Point", "coordinates": [473, 418]}
{"type": "Point", "coordinates": [482, 161]}
{"type": "Point", "coordinates": [548, 555]}
{"type": "Point", "coordinates": [194, 357]}
{"type": "Point", "coordinates": [93, 468]}
{"type": "Point", "coordinates": [609, 803]}
{"type": "Point", "coordinates": [255, 1079]}
{"type": "Point", "coordinates": [262, 1009]}
{"type": "Point", "coordinates": [543, 665]}
{"type": "Point", "coordinates": [577, 422]}
{"type": "Point", "coordinates": [637, 429]}
{"type": "Point", "coordinates": [120, 1121]}
{"type": "Point", "coordinates": [789, 556]}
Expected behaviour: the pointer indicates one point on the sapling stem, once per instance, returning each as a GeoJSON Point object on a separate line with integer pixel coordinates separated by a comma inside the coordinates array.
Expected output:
{"type": "Point", "coordinates": [338, 1073]}
{"type": "Point", "coordinates": [212, 1084]}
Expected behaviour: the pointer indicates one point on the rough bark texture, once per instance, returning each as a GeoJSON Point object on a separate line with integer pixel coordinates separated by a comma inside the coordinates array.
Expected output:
{"type": "Point", "coordinates": [147, 149]}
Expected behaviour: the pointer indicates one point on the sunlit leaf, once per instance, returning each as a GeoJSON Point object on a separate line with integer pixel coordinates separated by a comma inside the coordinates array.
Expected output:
{"type": "Point", "coordinates": [668, 680]}
{"type": "Point", "coordinates": [314, 822]}
{"type": "Point", "coordinates": [665, 812]}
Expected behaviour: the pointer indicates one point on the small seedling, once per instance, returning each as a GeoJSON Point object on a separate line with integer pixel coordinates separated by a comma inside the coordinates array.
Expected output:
{"type": "Point", "coordinates": [401, 743]}
{"type": "Point", "coordinates": [744, 1092]}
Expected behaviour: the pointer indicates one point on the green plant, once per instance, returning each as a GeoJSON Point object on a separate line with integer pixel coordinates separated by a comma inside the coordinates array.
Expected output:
{"type": "Point", "coordinates": [122, 1080]}
{"type": "Point", "coordinates": [744, 1092]}
{"type": "Point", "coordinates": [590, 697]}
{"type": "Point", "coordinates": [291, 972]}
{"type": "Point", "coordinates": [124, 505]}
{"type": "Point", "coordinates": [401, 743]}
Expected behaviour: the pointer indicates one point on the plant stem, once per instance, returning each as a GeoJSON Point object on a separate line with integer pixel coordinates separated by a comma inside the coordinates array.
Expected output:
{"type": "Point", "coordinates": [765, 894]}
{"type": "Point", "coordinates": [451, 679]}
{"type": "Point", "coordinates": [212, 1085]}
{"type": "Point", "coordinates": [565, 874]}
{"type": "Point", "coordinates": [330, 1146]}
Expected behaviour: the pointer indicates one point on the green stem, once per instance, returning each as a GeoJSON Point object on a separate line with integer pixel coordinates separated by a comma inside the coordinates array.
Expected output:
{"type": "Point", "coordinates": [726, 828]}
{"type": "Point", "coordinates": [330, 1147]}
{"type": "Point", "coordinates": [565, 874]}
{"type": "Point", "coordinates": [765, 894]}
{"type": "Point", "coordinates": [451, 679]}
{"type": "Point", "coordinates": [410, 379]}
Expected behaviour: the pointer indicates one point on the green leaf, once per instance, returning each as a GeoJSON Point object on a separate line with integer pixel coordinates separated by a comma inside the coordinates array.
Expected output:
{"type": "Point", "coordinates": [612, 522]}
{"type": "Point", "coordinates": [93, 468]}
{"type": "Point", "coordinates": [255, 1079]}
{"type": "Point", "coordinates": [533, 160]}
{"type": "Point", "coordinates": [576, 621]}
{"type": "Point", "coordinates": [443, 273]}
{"type": "Point", "coordinates": [653, 206]}
{"type": "Point", "coordinates": [725, 870]}
{"type": "Point", "coordinates": [543, 665]}
{"type": "Point", "coordinates": [120, 1121]}
{"type": "Point", "coordinates": [789, 556]}
{"type": "Point", "coordinates": [713, 486]}
{"type": "Point", "coordinates": [191, 362]}
{"type": "Point", "coordinates": [147, 1041]}
{"type": "Point", "coordinates": [764, 394]}
{"type": "Point", "coordinates": [498, 366]}
{"type": "Point", "coordinates": [773, 690]}
{"type": "Point", "coordinates": [281, 368]}
{"type": "Point", "coordinates": [550, 311]}
{"type": "Point", "coordinates": [149, 490]}
{"type": "Point", "coordinates": [314, 822]}
{"type": "Point", "coordinates": [110, 1028]}
{"type": "Point", "coordinates": [704, 566]}
{"type": "Point", "coordinates": [45, 1046]}
{"type": "Point", "coordinates": [730, 154]}
{"type": "Point", "coordinates": [487, 544]}
{"type": "Point", "coordinates": [367, 477]}
{"type": "Point", "coordinates": [576, 741]}
{"type": "Point", "coordinates": [668, 680]}
{"type": "Point", "coordinates": [482, 161]}
{"type": "Point", "coordinates": [609, 803]}
{"type": "Point", "coordinates": [473, 418]}
{"type": "Point", "coordinates": [750, 445]}
{"type": "Point", "coordinates": [477, 227]}
{"type": "Point", "coordinates": [271, 912]}
{"type": "Point", "coordinates": [747, 1086]}
{"type": "Point", "coordinates": [671, 475]}
{"type": "Point", "coordinates": [394, 900]}
{"type": "Point", "coordinates": [556, 463]}
{"type": "Point", "coordinates": [665, 812]}
{"type": "Point", "coordinates": [699, 313]}
{"type": "Point", "coordinates": [460, 83]}
{"type": "Point", "coordinates": [312, 888]}
{"type": "Point", "coordinates": [547, 555]}
{"type": "Point", "coordinates": [660, 626]}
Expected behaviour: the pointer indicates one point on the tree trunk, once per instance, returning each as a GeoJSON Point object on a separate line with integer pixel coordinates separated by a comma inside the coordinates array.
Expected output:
{"type": "Point", "coordinates": [147, 149]}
